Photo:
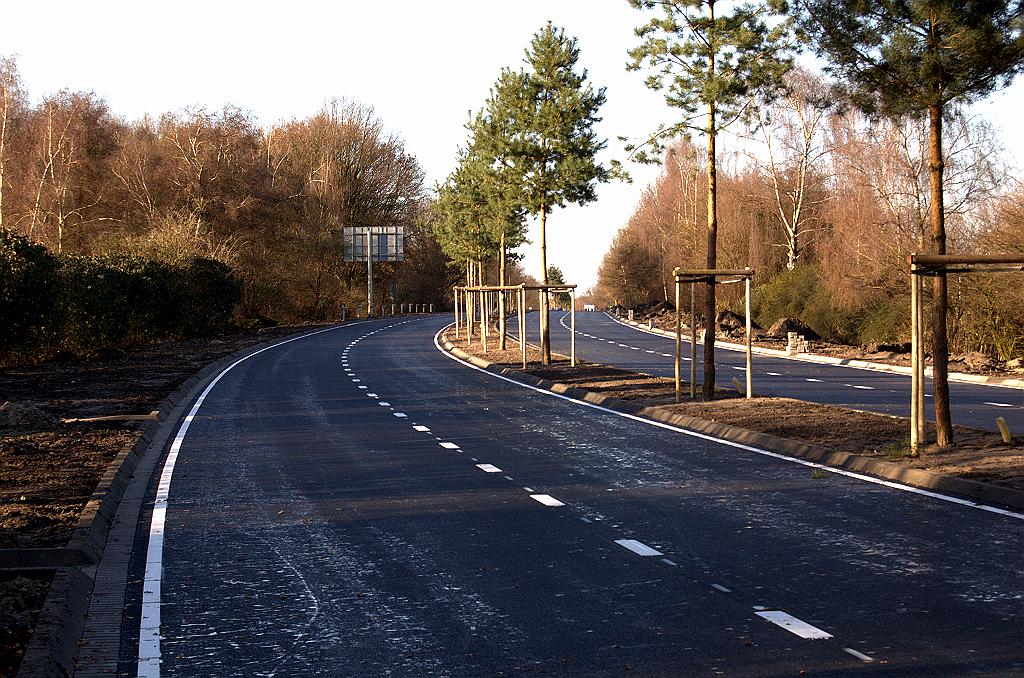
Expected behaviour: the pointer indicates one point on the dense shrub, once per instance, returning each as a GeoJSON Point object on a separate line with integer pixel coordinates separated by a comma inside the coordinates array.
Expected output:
{"type": "Point", "coordinates": [28, 290]}
{"type": "Point", "coordinates": [85, 303]}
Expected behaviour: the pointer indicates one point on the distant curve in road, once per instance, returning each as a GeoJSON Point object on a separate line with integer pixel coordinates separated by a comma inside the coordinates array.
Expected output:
{"type": "Point", "coordinates": [358, 503]}
{"type": "Point", "coordinates": [603, 340]}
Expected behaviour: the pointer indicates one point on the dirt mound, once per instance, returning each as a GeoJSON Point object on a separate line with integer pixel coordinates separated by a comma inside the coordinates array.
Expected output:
{"type": "Point", "coordinates": [783, 326]}
{"type": "Point", "coordinates": [659, 308]}
{"type": "Point", "coordinates": [733, 324]}
{"type": "Point", "coordinates": [24, 414]}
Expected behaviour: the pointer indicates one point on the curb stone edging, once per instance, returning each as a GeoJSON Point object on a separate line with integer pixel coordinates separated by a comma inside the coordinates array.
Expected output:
{"type": "Point", "coordinates": [1002, 382]}
{"type": "Point", "coordinates": [970, 490]}
{"type": "Point", "coordinates": [53, 647]}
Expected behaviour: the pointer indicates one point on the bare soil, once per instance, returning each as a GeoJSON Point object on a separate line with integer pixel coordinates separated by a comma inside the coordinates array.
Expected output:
{"type": "Point", "coordinates": [50, 467]}
{"type": "Point", "coordinates": [978, 455]}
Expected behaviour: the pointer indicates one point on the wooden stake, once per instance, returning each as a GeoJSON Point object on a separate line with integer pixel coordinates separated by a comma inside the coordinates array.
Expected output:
{"type": "Point", "coordinates": [693, 341]}
{"type": "Point", "coordinates": [915, 356]}
{"type": "Point", "coordinates": [679, 342]}
{"type": "Point", "coordinates": [572, 322]}
{"type": "Point", "coordinates": [750, 372]}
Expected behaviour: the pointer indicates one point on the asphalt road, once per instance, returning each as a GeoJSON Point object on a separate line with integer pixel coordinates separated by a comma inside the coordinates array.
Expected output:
{"type": "Point", "coordinates": [600, 339]}
{"type": "Point", "coordinates": [356, 503]}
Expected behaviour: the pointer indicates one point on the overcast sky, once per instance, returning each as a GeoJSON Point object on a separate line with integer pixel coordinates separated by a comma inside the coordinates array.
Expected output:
{"type": "Point", "coordinates": [422, 65]}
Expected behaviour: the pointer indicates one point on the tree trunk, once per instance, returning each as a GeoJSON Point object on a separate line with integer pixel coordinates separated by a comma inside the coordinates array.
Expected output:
{"type": "Point", "coordinates": [712, 258]}
{"type": "Point", "coordinates": [501, 295]}
{"type": "Point", "coordinates": [545, 337]}
{"type": "Point", "coordinates": [940, 346]}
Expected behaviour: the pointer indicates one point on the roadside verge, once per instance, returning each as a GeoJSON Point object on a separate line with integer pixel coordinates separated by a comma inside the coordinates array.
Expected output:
{"type": "Point", "coordinates": [923, 481]}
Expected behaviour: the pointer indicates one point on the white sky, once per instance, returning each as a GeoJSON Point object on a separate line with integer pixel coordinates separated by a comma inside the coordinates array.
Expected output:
{"type": "Point", "coordinates": [422, 65]}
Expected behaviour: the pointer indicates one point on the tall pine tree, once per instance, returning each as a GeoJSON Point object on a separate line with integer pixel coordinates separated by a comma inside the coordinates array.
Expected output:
{"type": "Point", "coordinates": [898, 57]}
{"type": "Point", "coordinates": [711, 64]}
{"type": "Point", "coordinates": [546, 116]}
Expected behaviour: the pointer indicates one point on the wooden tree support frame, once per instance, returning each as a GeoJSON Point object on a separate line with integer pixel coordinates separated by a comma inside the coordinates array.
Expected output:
{"type": "Point", "coordinates": [929, 265]}
{"type": "Point", "coordinates": [711, 277]}
{"type": "Point", "coordinates": [477, 300]}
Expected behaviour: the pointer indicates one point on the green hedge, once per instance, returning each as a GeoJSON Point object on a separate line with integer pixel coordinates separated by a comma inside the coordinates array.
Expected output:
{"type": "Point", "coordinates": [85, 303]}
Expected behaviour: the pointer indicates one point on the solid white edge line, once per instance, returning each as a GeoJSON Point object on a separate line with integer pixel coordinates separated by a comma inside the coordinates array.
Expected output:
{"type": "Point", "coordinates": [149, 626]}
{"type": "Point", "coordinates": [803, 462]}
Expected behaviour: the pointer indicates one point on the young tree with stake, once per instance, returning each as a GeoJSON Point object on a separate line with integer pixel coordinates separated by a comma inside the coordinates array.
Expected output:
{"type": "Point", "coordinates": [712, 65]}
{"type": "Point", "coordinates": [895, 57]}
{"type": "Point", "coordinates": [546, 116]}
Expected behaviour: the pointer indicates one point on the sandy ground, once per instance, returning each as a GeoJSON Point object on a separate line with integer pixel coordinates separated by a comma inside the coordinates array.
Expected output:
{"type": "Point", "coordinates": [978, 455]}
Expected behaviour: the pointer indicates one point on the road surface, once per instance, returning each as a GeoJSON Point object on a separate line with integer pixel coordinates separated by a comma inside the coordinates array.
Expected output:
{"type": "Point", "coordinates": [357, 503]}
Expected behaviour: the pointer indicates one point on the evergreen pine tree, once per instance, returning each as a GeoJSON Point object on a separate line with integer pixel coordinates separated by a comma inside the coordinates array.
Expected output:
{"type": "Point", "coordinates": [545, 119]}
{"type": "Point", "coordinates": [897, 57]}
{"type": "Point", "coordinates": [711, 64]}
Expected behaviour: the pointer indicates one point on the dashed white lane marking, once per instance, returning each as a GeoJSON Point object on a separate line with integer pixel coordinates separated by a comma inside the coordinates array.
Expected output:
{"type": "Point", "coordinates": [813, 379]}
{"type": "Point", "coordinates": [528, 489]}
{"type": "Point", "coordinates": [362, 387]}
{"type": "Point", "coordinates": [863, 388]}
{"type": "Point", "coordinates": [421, 429]}
{"type": "Point", "coordinates": [488, 468]}
{"type": "Point", "coordinates": [670, 562]}
{"type": "Point", "coordinates": [546, 499]}
{"type": "Point", "coordinates": [508, 478]}
{"type": "Point", "coordinates": [384, 404]}
{"type": "Point", "coordinates": [149, 626]}
{"type": "Point", "coordinates": [634, 348]}
{"type": "Point", "coordinates": [400, 415]}
{"type": "Point", "coordinates": [649, 351]}
{"type": "Point", "coordinates": [720, 588]}
{"type": "Point", "coordinates": [585, 520]}
{"type": "Point", "coordinates": [773, 374]}
{"type": "Point", "coordinates": [449, 446]}
{"type": "Point", "coordinates": [372, 395]}
{"type": "Point", "coordinates": [859, 655]}
{"type": "Point", "coordinates": [999, 405]}
{"type": "Point", "coordinates": [356, 381]}
{"type": "Point", "coordinates": [739, 369]}
{"type": "Point", "coordinates": [740, 446]}
{"type": "Point", "coordinates": [669, 355]}
{"type": "Point", "coordinates": [793, 625]}
{"type": "Point", "coordinates": [638, 547]}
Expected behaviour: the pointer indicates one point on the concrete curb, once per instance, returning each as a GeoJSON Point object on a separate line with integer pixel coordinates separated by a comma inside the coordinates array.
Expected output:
{"type": "Point", "coordinates": [971, 490]}
{"type": "Point", "coordinates": [53, 648]}
{"type": "Point", "coordinates": [1002, 382]}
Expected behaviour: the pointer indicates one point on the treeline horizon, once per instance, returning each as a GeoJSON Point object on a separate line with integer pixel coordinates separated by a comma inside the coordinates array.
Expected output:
{"type": "Point", "coordinates": [267, 201]}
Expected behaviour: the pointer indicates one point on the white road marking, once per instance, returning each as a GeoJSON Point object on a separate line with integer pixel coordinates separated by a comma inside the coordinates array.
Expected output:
{"type": "Point", "coordinates": [585, 520]}
{"type": "Point", "coordinates": [814, 380]}
{"type": "Point", "coordinates": [421, 428]}
{"type": "Point", "coordinates": [623, 346]}
{"type": "Point", "coordinates": [863, 388]}
{"type": "Point", "coordinates": [794, 625]}
{"type": "Point", "coordinates": [508, 478]}
{"type": "Point", "coordinates": [669, 562]}
{"type": "Point", "coordinates": [649, 351]}
{"type": "Point", "coordinates": [356, 381]}
{"type": "Point", "coordinates": [858, 655]}
{"type": "Point", "coordinates": [361, 386]}
{"type": "Point", "coordinates": [999, 405]}
{"type": "Point", "coordinates": [400, 415]}
{"type": "Point", "coordinates": [528, 489]}
{"type": "Point", "coordinates": [669, 355]}
{"type": "Point", "coordinates": [740, 446]}
{"type": "Point", "coordinates": [149, 626]}
{"type": "Point", "coordinates": [638, 547]}
{"type": "Point", "coordinates": [384, 404]}
{"type": "Point", "coordinates": [372, 395]}
{"type": "Point", "coordinates": [488, 468]}
{"type": "Point", "coordinates": [773, 374]}
{"type": "Point", "coordinates": [546, 499]}
{"type": "Point", "coordinates": [634, 348]}
{"type": "Point", "coordinates": [720, 588]}
{"type": "Point", "coordinates": [739, 369]}
{"type": "Point", "coordinates": [449, 446]}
